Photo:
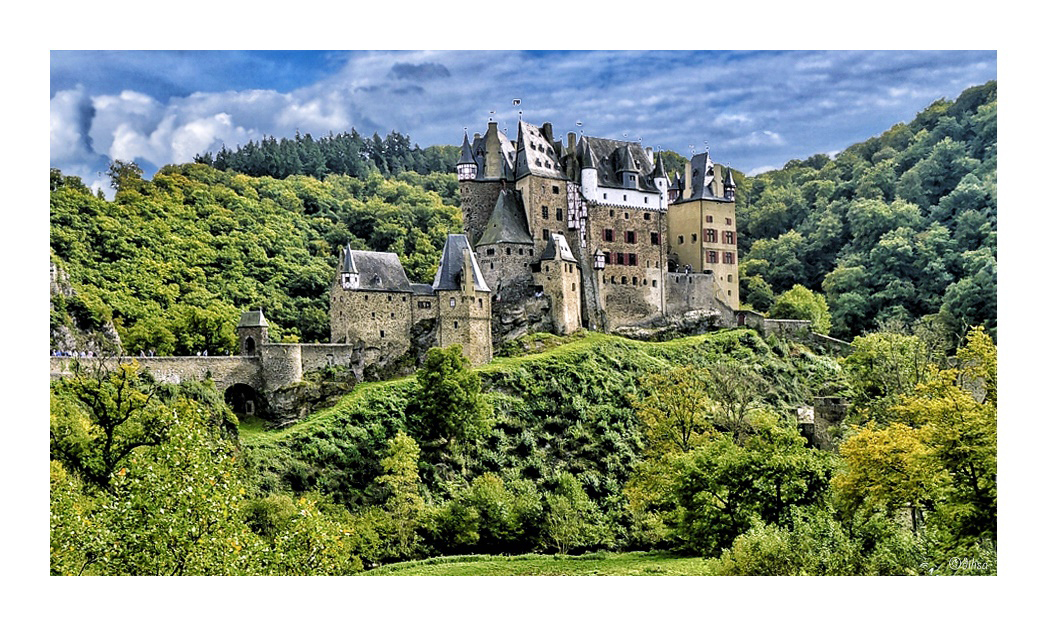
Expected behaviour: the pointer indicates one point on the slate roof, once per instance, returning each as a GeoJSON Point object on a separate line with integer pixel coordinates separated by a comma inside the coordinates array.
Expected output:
{"type": "Point", "coordinates": [535, 154]}
{"type": "Point", "coordinates": [508, 222]}
{"type": "Point", "coordinates": [456, 254]}
{"type": "Point", "coordinates": [700, 164]}
{"type": "Point", "coordinates": [508, 155]}
{"type": "Point", "coordinates": [558, 242]}
{"type": "Point", "coordinates": [467, 153]}
{"type": "Point", "coordinates": [252, 319]}
{"type": "Point", "coordinates": [379, 271]}
{"type": "Point", "coordinates": [613, 157]}
{"type": "Point", "coordinates": [421, 290]}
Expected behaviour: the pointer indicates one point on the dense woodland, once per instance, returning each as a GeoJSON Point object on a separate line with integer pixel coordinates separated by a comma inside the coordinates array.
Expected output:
{"type": "Point", "coordinates": [689, 447]}
{"type": "Point", "coordinates": [562, 445]}
{"type": "Point", "coordinates": [897, 229]}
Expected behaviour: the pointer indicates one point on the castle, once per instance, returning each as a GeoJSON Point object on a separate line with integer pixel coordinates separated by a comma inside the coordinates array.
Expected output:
{"type": "Point", "coordinates": [592, 234]}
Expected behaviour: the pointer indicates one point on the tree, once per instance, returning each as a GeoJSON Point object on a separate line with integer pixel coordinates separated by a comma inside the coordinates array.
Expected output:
{"type": "Point", "coordinates": [734, 389]}
{"type": "Point", "coordinates": [572, 520]}
{"type": "Point", "coordinates": [888, 469]}
{"type": "Point", "coordinates": [881, 368]}
{"type": "Point", "coordinates": [125, 175]}
{"type": "Point", "coordinates": [800, 303]}
{"type": "Point", "coordinates": [99, 418]}
{"type": "Point", "coordinates": [676, 412]}
{"type": "Point", "coordinates": [957, 407]}
{"type": "Point", "coordinates": [171, 508]}
{"type": "Point", "coordinates": [404, 503]}
{"type": "Point", "coordinates": [449, 400]}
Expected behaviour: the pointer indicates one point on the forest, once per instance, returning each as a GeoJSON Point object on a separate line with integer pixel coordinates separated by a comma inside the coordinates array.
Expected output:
{"type": "Point", "coordinates": [586, 446]}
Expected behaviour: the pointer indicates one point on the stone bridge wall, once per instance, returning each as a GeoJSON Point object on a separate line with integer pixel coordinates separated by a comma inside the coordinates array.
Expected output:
{"type": "Point", "coordinates": [224, 370]}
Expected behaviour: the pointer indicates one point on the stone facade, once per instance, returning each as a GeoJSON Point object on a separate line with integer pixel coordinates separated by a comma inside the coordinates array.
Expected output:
{"type": "Point", "coordinates": [609, 200]}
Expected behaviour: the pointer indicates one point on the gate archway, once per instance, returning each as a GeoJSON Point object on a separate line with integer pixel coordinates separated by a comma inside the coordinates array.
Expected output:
{"type": "Point", "coordinates": [244, 400]}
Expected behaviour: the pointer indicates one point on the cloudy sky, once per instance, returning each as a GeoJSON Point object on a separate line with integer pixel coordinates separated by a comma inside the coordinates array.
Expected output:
{"type": "Point", "coordinates": [755, 110]}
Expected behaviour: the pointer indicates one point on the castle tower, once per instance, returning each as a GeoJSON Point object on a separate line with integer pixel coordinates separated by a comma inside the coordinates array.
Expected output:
{"type": "Point", "coordinates": [463, 300]}
{"type": "Point", "coordinates": [253, 332]}
{"type": "Point", "coordinates": [560, 277]}
{"type": "Point", "coordinates": [467, 162]}
{"type": "Point", "coordinates": [702, 230]}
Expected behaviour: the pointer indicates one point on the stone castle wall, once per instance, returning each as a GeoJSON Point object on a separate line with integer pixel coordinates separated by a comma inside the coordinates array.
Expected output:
{"type": "Point", "coordinates": [477, 200]}
{"type": "Point", "coordinates": [224, 370]}
{"type": "Point", "coordinates": [631, 289]}
{"type": "Point", "coordinates": [692, 292]}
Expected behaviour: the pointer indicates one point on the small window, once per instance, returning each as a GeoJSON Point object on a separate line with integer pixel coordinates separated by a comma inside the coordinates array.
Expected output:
{"type": "Point", "coordinates": [654, 283]}
{"type": "Point", "coordinates": [456, 324]}
{"type": "Point", "coordinates": [545, 212]}
{"type": "Point", "coordinates": [372, 314]}
{"type": "Point", "coordinates": [647, 216]}
{"type": "Point", "coordinates": [452, 303]}
{"type": "Point", "coordinates": [711, 256]}
{"type": "Point", "coordinates": [630, 236]}
{"type": "Point", "coordinates": [730, 278]}
{"type": "Point", "coordinates": [388, 298]}
{"type": "Point", "coordinates": [635, 281]}
{"type": "Point", "coordinates": [625, 198]}
{"type": "Point", "coordinates": [656, 239]}
{"type": "Point", "coordinates": [645, 199]}
{"type": "Point", "coordinates": [728, 220]}
{"type": "Point", "coordinates": [365, 297]}
{"type": "Point", "coordinates": [520, 251]}
{"type": "Point", "coordinates": [626, 216]}
{"type": "Point", "coordinates": [545, 234]}
{"type": "Point", "coordinates": [611, 212]}
{"type": "Point", "coordinates": [490, 252]}
{"type": "Point", "coordinates": [403, 298]}
{"type": "Point", "coordinates": [709, 219]}
{"type": "Point", "coordinates": [681, 238]}
{"type": "Point", "coordinates": [559, 214]}
{"type": "Point", "coordinates": [728, 237]}
{"type": "Point", "coordinates": [608, 234]}
{"type": "Point", "coordinates": [381, 333]}
{"type": "Point", "coordinates": [694, 237]}
{"type": "Point", "coordinates": [392, 316]}
{"type": "Point", "coordinates": [492, 265]}
{"type": "Point", "coordinates": [530, 252]}
{"type": "Point", "coordinates": [508, 252]}
{"type": "Point", "coordinates": [632, 259]}
{"type": "Point", "coordinates": [621, 258]}
{"type": "Point", "coordinates": [556, 189]}
{"type": "Point", "coordinates": [480, 301]}
{"type": "Point", "coordinates": [605, 197]}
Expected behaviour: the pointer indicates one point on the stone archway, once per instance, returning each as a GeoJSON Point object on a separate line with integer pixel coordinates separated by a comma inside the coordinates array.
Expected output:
{"type": "Point", "coordinates": [245, 400]}
{"type": "Point", "coordinates": [249, 346]}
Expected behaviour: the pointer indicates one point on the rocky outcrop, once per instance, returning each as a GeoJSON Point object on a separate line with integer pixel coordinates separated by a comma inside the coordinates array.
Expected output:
{"type": "Point", "coordinates": [72, 328]}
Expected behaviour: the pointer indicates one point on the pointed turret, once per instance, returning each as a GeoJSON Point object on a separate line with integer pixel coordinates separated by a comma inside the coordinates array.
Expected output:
{"type": "Point", "coordinates": [728, 185]}
{"type": "Point", "coordinates": [467, 162]}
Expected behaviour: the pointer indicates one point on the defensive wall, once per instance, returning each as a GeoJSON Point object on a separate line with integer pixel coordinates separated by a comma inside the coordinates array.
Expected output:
{"type": "Point", "coordinates": [276, 365]}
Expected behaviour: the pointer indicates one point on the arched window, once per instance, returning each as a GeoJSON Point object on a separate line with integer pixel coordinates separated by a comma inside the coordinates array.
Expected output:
{"type": "Point", "coordinates": [249, 346]}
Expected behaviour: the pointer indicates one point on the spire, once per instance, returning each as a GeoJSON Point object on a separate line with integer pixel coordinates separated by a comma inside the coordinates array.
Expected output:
{"type": "Point", "coordinates": [588, 158]}
{"type": "Point", "coordinates": [659, 167]}
{"type": "Point", "coordinates": [467, 157]}
{"type": "Point", "coordinates": [348, 265]}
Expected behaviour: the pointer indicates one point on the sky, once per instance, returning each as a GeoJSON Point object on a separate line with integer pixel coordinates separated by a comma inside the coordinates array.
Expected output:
{"type": "Point", "coordinates": [754, 110]}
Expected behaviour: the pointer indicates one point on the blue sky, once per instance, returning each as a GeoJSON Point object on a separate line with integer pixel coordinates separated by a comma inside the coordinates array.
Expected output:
{"type": "Point", "coordinates": [755, 109]}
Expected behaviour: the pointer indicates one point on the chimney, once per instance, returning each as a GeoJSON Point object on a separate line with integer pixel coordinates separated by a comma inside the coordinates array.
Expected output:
{"type": "Point", "coordinates": [493, 147]}
{"type": "Point", "coordinates": [717, 180]}
{"type": "Point", "coordinates": [570, 142]}
{"type": "Point", "coordinates": [686, 182]}
{"type": "Point", "coordinates": [547, 131]}
{"type": "Point", "coordinates": [650, 153]}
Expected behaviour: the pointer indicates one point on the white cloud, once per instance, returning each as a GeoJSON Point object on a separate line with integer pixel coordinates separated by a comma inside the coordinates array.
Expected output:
{"type": "Point", "coordinates": [760, 170]}
{"type": "Point", "coordinates": [757, 138]}
{"type": "Point", "coordinates": [725, 120]}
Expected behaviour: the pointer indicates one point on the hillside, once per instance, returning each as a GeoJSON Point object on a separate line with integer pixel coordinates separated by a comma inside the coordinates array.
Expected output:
{"type": "Point", "coordinates": [897, 229]}
{"type": "Point", "coordinates": [172, 261]}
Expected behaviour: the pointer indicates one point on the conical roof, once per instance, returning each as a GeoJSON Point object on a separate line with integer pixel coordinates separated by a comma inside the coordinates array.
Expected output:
{"type": "Point", "coordinates": [508, 222]}
{"type": "Point", "coordinates": [456, 254]}
{"type": "Point", "coordinates": [467, 157]}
